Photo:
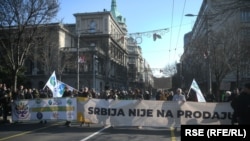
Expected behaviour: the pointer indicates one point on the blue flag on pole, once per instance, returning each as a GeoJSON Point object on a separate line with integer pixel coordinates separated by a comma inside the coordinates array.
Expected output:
{"type": "Point", "coordinates": [61, 88]}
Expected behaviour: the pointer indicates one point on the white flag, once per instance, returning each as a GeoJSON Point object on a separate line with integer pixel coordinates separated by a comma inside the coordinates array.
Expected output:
{"type": "Point", "coordinates": [81, 59]}
{"type": "Point", "coordinates": [52, 84]}
{"type": "Point", "coordinates": [198, 92]}
{"type": "Point", "coordinates": [61, 88]}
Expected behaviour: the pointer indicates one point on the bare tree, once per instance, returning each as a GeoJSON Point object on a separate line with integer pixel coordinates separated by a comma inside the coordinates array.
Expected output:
{"type": "Point", "coordinates": [19, 23]}
{"type": "Point", "coordinates": [169, 70]}
{"type": "Point", "coordinates": [194, 62]}
{"type": "Point", "coordinates": [224, 52]}
{"type": "Point", "coordinates": [51, 56]}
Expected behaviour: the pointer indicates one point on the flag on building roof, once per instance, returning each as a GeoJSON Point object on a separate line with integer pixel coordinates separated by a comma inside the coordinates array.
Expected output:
{"type": "Point", "coordinates": [81, 59]}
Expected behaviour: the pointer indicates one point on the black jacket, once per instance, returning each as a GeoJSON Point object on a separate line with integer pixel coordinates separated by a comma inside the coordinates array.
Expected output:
{"type": "Point", "coordinates": [242, 107]}
{"type": "Point", "coordinates": [67, 93]}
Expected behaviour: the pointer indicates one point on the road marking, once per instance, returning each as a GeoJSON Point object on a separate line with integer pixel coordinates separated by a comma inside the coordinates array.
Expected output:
{"type": "Point", "coordinates": [27, 132]}
{"type": "Point", "coordinates": [92, 135]}
{"type": "Point", "coordinates": [172, 129]}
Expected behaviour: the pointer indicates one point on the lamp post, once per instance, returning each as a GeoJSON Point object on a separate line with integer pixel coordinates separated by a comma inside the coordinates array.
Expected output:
{"type": "Point", "coordinates": [94, 70]}
{"type": "Point", "coordinates": [238, 61]}
{"type": "Point", "coordinates": [208, 52]}
{"type": "Point", "coordinates": [78, 61]}
{"type": "Point", "coordinates": [77, 77]}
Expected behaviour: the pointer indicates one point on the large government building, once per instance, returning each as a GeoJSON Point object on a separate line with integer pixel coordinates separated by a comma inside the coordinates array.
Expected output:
{"type": "Point", "coordinates": [94, 52]}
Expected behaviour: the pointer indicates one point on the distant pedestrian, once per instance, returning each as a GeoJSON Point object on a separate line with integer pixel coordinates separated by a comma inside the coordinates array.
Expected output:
{"type": "Point", "coordinates": [138, 94]}
{"type": "Point", "coordinates": [35, 93]}
{"type": "Point", "coordinates": [147, 95]}
{"type": "Point", "coordinates": [42, 93]}
{"type": "Point", "coordinates": [234, 97]}
{"type": "Point", "coordinates": [158, 95]}
{"type": "Point", "coordinates": [243, 106]}
{"type": "Point", "coordinates": [4, 101]}
{"type": "Point", "coordinates": [48, 92]}
{"type": "Point", "coordinates": [67, 93]}
{"type": "Point", "coordinates": [179, 96]}
{"type": "Point", "coordinates": [87, 94]}
{"type": "Point", "coordinates": [92, 93]}
{"type": "Point", "coordinates": [227, 96]}
{"type": "Point", "coordinates": [19, 94]}
{"type": "Point", "coordinates": [170, 96]}
{"type": "Point", "coordinates": [28, 93]}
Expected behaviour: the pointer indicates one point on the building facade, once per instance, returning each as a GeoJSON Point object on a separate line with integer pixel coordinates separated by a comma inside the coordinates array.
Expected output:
{"type": "Point", "coordinates": [94, 52]}
{"type": "Point", "coordinates": [218, 45]}
{"type": "Point", "coordinates": [139, 71]}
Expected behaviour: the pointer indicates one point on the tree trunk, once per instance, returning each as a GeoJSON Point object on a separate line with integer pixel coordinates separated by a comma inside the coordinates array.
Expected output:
{"type": "Point", "coordinates": [15, 80]}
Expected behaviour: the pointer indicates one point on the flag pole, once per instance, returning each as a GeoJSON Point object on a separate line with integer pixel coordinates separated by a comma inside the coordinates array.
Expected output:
{"type": "Point", "coordinates": [188, 92]}
{"type": "Point", "coordinates": [190, 88]}
{"type": "Point", "coordinates": [44, 86]}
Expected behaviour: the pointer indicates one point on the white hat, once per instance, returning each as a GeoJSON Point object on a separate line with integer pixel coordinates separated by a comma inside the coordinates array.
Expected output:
{"type": "Point", "coordinates": [228, 92]}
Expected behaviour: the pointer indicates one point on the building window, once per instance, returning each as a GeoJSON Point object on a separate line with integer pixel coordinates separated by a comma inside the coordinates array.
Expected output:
{"type": "Point", "coordinates": [245, 15]}
{"type": "Point", "coordinates": [92, 26]}
{"type": "Point", "coordinates": [245, 34]}
{"type": "Point", "coordinates": [131, 49]}
{"type": "Point", "coordinates": [131, 60]}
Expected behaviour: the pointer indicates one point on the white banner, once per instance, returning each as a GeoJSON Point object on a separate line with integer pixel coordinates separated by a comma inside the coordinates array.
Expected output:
{"type": "Point", "coordinates": [156, 113]}
{"type": "Point", "coordinates": [47, 109]}
{"type": "Point", "coordinates": [123, 112]}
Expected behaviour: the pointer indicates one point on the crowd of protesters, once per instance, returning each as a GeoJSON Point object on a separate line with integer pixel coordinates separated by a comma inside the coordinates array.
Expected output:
{"type": "Point", "coordinates": [239, 98]}
{"type": "Point", "coordinates": [7, 96]}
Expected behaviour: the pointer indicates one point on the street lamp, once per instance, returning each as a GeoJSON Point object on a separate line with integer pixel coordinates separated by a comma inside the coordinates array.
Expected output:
{"type": "Point", "coordinates": [94, 70]}
{"type": "Point", "coordinates": [208, 53]}
{"type": "Point", "coordinates": [77, 78]}
{"type": "Point", "coordinates": [79, 61]}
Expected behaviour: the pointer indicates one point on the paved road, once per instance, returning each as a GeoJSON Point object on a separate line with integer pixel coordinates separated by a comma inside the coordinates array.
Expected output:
{"type": "Point", "coordinates": [53, 131]}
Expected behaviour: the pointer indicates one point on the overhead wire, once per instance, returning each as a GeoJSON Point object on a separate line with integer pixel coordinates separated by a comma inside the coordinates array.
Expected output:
{"type": "Point", "coordinates": [172, 17]}
{"type": "Point", "coordinates": [184, 6]}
